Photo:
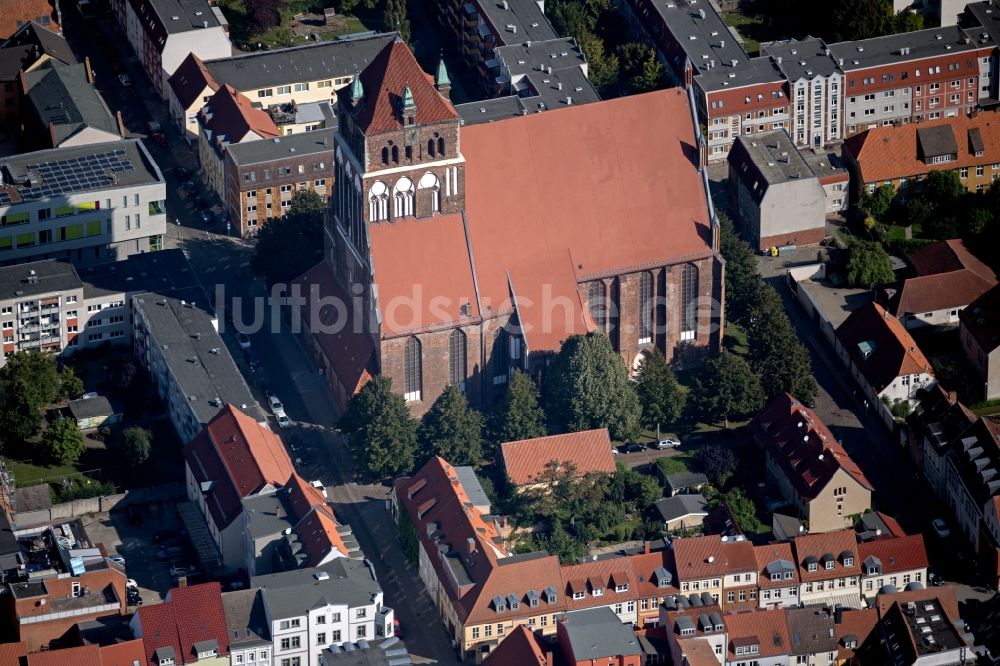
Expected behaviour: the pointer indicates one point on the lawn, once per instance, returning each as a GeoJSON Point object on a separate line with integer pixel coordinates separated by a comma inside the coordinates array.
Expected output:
{"type": "Point", "coordinates": [751, 29]}
{"type": "Point", "coordinates": [735, 339]}
{"type": "Point", "coordinates": [245, 37]}
{"type": "Point", "coordinates": [898, 233]}
{"type": "Point", "coordinates": [29, 474]}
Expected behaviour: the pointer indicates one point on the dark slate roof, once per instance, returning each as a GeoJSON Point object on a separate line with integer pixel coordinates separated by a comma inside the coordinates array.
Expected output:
{"type": "Point", "coordinates": [802, 58]}
{"type": "Point", "coordinates": [524, 57]}
{"type": "Point", "coordinates": [309, 62]}
{"type": "Point", "coordinates": [561, 88]}
{"type": "Point", "coordinates": [752, 71]}
{"type": "Point", "coordinates": [701, 32]}
{"type": "Point", "coordinates": [37, 278]}
{"type": "Point", "coordinates": [686, 480]}
{"type": "Point", "coordinates": [290, 145]}
{"type": "Point", "coordinates": [62, 96]}
{"type": "Point", "coordinates": [982, 320]}
{"type": "Point", "coordinates": [88, 407]}
{"type": "Point", "coordinates": [12, 59]}
{"type": "Point", "coordinates": [886, 50]}
{"type": "Point", "coordinates": [811, 629]}
{"type": "Point", "coordinates": [48, 42]}
{"type": "Point", "coordinates": [937, 140]}
{"type": "Point", "coordinates": [488, 110]}
{"type": "Point", "coordinates": [597, 633]}
{"type": "Point", "coordinates": [678, 506]}
{"type": "Point", "coordinates": [292, 593]}
{"type": "Point", "coordinates": [517, 20]}
{"type": "Point", "coordinates": [161, 272]}
{"type": "Point", "coordinates": [183, 15]}
{"type": "Point", "coordinates": [245, 618]}
{"type": "Point", "coordinates": [389, 652]}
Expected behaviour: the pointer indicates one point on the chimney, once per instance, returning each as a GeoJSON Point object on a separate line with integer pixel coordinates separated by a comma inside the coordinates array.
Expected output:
{"type": "Point", "coordinates": [121, 123]}
{"type": "Point", "coordinates": [470, 545]}
{"type": "Point", "coordinates": [645, 547]}
{"type": "Point", "coordinates": [550, 658]}
{"type": "Point", "coordinates": [89, 71]}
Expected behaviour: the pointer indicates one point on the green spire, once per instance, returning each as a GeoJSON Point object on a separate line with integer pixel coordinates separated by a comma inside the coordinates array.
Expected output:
{"type": "Point", "coordinates": [409, 106]}
{"type": "Point", "coordinates": [441, 79]}
{"type": "Point", "coordinates": [357, 90]}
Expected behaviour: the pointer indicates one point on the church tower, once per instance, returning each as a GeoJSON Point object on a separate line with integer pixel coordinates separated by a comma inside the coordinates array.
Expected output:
{"type": "Point", "coordinates": [397, 158]}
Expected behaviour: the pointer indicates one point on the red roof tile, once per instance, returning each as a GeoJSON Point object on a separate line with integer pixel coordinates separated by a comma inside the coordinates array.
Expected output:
{"type": "Point", "coordinates": [12, 653]}
{"type": "Point", "coordinates": [234, 117]}
{"type": "Point", "coordinates": [188, 616]}
{"type": "Point", "coordinates": [802, 446]}
{"type": "Point", "coordinates": [946, 595]}
{"type": "Point", "coordinates": [765, 628]}
{"type": "Point", "coordinates": [190, 79]}
{"type": "Point", "coordinates": [123, 654]}
{"type": "Point", "coordinates": [982, 320]}
{"type": "Point", "coordinates": [709, 556]}
{"type": "Point", "coordinates": [85, 655]}
{"type": "Point", "coordinates": [384, 80]}
{"type": "Point", "coordinates": [888, 153]}
{"type": "Point", "coordinates": [769, 553]}
{"type": "Point", "coordinates": [900, 554]}
{"type": "Point", "coordinates": [947, 256]}
{"type": "Point", "coordinates": [521, 647]}
{"type": "Point", "coordinates": [239, 457]}
{"type": "Point", "coordinates": [303, 496]}
{"type": "Point", "coordinates": [589, 451]}
{"type": "Point", "coordinates": [320, 537]}
{"type": "Point", "coordinates": [816, 547]}
{"type": "Point", "coordinates": [948, 277]}
{"type": "Point", "coordinates": [18, 12]}
{"type": "Point", "coordinates": [858, 624]}
{"type": "Point", "coordinates": [598, 189]}
{"type": "Point", "coordinates": [896, 353]}
{"type": "Point", "coordinates": [436, 294]}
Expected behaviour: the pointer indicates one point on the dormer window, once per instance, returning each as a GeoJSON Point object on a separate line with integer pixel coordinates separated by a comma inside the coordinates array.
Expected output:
{"type": "Point", "coordinates": [550, 595]}
{"type": "Point", "coordinates": [621, 588]}
{"type": "Point", "coordinates": [788, 575]}
{"type": "Point", "coordinates": [663, 582]}
{"type": "Point", "coordinates": [828, 565]}
{"type": "Point", "coordinates": [597, 592]}
{"type": "Point", "coordinates": [812, 567]}
{"type": "Point", "coordinates": [848, 561]}
{"type": "Point", "coordinates": [534, 602]}
{"type": "Point", "coordinates": [687, 631]}
{"type": "Point", "coordinates": [578, 595]}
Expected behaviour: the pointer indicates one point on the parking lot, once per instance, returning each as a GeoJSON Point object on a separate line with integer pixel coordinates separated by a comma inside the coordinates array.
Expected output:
{"type": "Point", "coordinates": [136, 544]}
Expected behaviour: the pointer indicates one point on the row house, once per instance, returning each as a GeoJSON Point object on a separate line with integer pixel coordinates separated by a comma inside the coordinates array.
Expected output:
{"type": "Point", "coordinates": [829, 568]}
{"type": "Point", "coordinates": [724, 567]}
{"type": "Point", "coordinates": [189, 627]}
{"type": "Point", "coordinates": [778, 575]}
{"type": "Point", "coordinates": [937, 421]}
{"type": "Point", "coordinates": [899, 563]}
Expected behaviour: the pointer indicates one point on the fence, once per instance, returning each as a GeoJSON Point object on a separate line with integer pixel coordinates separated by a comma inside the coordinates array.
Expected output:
{"type": "Point", "coordinates": [161, 493]}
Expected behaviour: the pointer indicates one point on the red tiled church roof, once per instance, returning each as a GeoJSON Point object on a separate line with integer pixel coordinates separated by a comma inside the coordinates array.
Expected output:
{"type": "Point", "coordinates": [590, 451]}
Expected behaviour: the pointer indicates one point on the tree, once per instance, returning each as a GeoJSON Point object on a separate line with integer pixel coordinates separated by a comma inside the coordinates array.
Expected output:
{"type": "Point", "coordinates": [775, 350]}
{"type": "Point", "coordinates": [868, 264]}
{"type": "Point", "coordinates": [906, 21]}
{"type": "Point", "coordinates": [942, 188]}
{"type": "Point", "coordinates": [742, 279]}
{"type": "Point", "coordinates": [28, 382]}
{"type": "Point", "coordinates": [63, 443]}
{"type": "Point", "coordinates": [743, 510]}
{"type": "Point", "coordinates": [717, 462]}
{"type": "Point", "coordinates": [138, 444]}
{"type": "Point", "coordinates": [602, 68]}
{"type": "Point", "coordinates": [519, 416]}
{"type": "Point", "coordinates": [659, 393]}
{"type": "Point", "coordinates": [726, 387]}
{"type": "Point", "coordinates": [877, 203]}
{"type": "Point", "coordinates": [70, 385]}
{"type": "Point", "coordinates": [380, 431]}
{"type": "Point", "coordinates": [452, 430]}
{"type": "Point", "coordinates": [640, 68]}
{"type": "Point", "coordinates": [631, 487]}
{"type": "Point", "coordinates": [289, 245]}
{"type": "Point", "coordinates": [588, 387]}
{"type": "Point", "coordinates": [263, 14]}
{"type": "Point", "coordinates": [395, 18]}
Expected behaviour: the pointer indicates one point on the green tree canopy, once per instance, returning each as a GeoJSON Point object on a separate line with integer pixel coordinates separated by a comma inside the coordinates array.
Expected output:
{"type": "Point", "coordinates": [62, 443]}
{"type": "Point", "coordinates": [775, 351]}
{"type": "Point", "coordinates": [635, 489]}
{"type": "Point", "coordinates": [28, 382]}
{"type": "Point", "coordinates": [138, 445]}
{"type": "Point", "coordinates": [263, 14]}
{"type": "Point", "coordinates": [877, 203]}
{"type": "Point", "coordinates": [380, 431]}
{"type": "Point", "coordinates": [452, 430]}
{"type": "Point", "coordinates": [518, 415]}
{"type": "Point", "coordinates": [289, 245]}
{"type": "Point", "coordinates": [588, 387]}
{"type": "Point", "coordinates": [725, 387]}
{"type": "Point", "coordinates": [743, 510]}
{"type": "Point", "coordinates": [395, 17]}
{"type": "Point", "coordinates": [659, 393]}
{"type": "Point", "coordinates": [868, 264]}
{"type": "Point", "coordinates": [942, 188]}
{"type": "Point", "coordinates": [602, 67]}
{"type": "Point", "coordinates": [718, 462]}
{"type": "Point", "coordinates": [742, 279]}
{"type": "Point", "coordinates": [70, 385]}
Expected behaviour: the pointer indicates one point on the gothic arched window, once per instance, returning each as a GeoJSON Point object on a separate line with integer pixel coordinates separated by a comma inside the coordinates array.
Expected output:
{"type": "Point", "coordinates": [689, 297]}
{"type": "Point", "coordinates": [395, 154]}
{"type": "Point", "coordinates": [414, 371]}
{"type": "Point", "coordinates": [430, 147]}
{"type": "Point", "coordinates": [430, 182]}
{"type": "Point", "coordinates": [385, 155]}
{"type": "Point", "coordinates": [598, 305]}
{"type": "Point", "coordinates": [378, 202]}
{"type": "Point", "coordinates": [403, 198]}
{"type": "Point", "coordinates": [458, 359]}
{"type": "Point", "coordinates": [441, 146]}
{"type": "Point", "coordinates": [645, 307]}
{"type": "Point", "coordinates": [501, 357]}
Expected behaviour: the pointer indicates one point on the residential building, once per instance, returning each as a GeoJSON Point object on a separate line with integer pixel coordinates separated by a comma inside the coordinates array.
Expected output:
{"type": "Point", "coordinates": [527, 462]}
{"type": "Point", "coordinates": [979, 329]}
{"type": "Point", "coordinates": [777, 197]}
{"type": "Point", "coordinates": [228, 118]}
{"type": "Point", "coordinates": [41, 609]}
{"type": "Point", "coordinates": [292, 527]}
{"type": "Point", "coordinates": [883, 358]}
{"type": "Point", "coordinates": [829, 568]}
{"type": "Point", "coordinates": [163, 32]}
{"type": "Point", "coordinates": [119, 654]}
{"type": "Point", "coordinates": [93, 412]}
{"type": "Point", "coordinates": [542, 75]}
{"type": "Point", "coordinates": [813, 635]}
{"type": "Point", "coordinates": [902, 156]}
{"type": "Point", "coordinates": [90, 204]}
{"type": "Point", "coordinates": [261, 177]}
{"type": "Point", "coordinates": [522, 647]}
{"type": "Point", "coordinates": [597, 635]}
{"type": "Point", "coordinates": [757, 638]}
{"type": "Point", "coordinates": [833, 176]}
{"type": "Point", "coordinates": [815, 89]}
{"type": "Point", "coordinates": [811, 468]}
{"type": "Point", "coordinates": [176, 340]}
{"type": "Point", "coordinates": [923, 627]}
{"type": "Point", "coordinates": [232, 458]}
{"type": "Point", "coordinates": [900, 562]}
{"type": "Point", "coordinates": [948, 278]}
{"type": "Point", "coordinates": [54, 306]}
{"type": "Point", "coordinates": [682, 512]}
{"type": "Point", "coordinates": [972, 488]}
{"type": "Point", "coordinates": [437, 171]}
{"type": "Point", "coordinates": [935, 423]}
{"type": "Point", "coordinates": [777, 575]}
{"type": "Point", "coordinates": [249, 638]}
{"type": "Point", "coordinates": [303, 74]}
{"type": "Point", "coordinates": [308, 610]}
{"type": "Point", "coordinates": [859, 640]}
{"type": "Point", "coordinates": [696, 630]}
{"type": "Point", "coordinates": [189, 627]}
{"type": "Point", "coordinates": [724, 567]}
{"type": "Point", "coordinates": [387, 652]}
{"type": "Point", "coordinates": [682, 483]}
{"type": "Point", "coordinates": [43, 12]}
{"type": "Point", "coordinates": [63, 108]}
{"type": "Point", "coordinates": [31, 48]}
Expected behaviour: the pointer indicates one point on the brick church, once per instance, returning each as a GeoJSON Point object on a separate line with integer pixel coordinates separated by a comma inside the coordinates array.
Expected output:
{"type": "Point", "coordinates": [464, 251]}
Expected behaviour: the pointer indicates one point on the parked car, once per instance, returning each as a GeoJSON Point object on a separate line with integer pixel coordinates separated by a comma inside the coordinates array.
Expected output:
{"type": "Point", "coordinates": [940, 528]}
{"type": "Point", "coordinates": [252, 359]}
{"type": "Point", "coordinates": [283, 421]}
{"type": "Point", "coordinates": [633, 447]}
{"type": "Point", "coordinates": [243, 339]}
{"type": "Point", "coordinates": [117, 559]}
{"type": "Point", "coordinates": [183, 570]}
{"type": "Point", "coordinates": [275, 404]}
{"type": "Point", "coordinates": [167, 553]}
{"type": "Point", "coordinates": [668, 443]}
{"type": "Point", "coordinates": [156, 133]}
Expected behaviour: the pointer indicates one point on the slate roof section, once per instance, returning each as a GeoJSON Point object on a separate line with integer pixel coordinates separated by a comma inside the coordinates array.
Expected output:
{"type": "Point", "coordinates": [750, 72]}
{"type": "Point", "coordinates": [245, 619]}
{"type": "Point", "coordinates": [188, 615]}
{"type": "Point", "coordinates": [64, 100]}
{"type": "Point", "coordinates": [701, 33]}
{"type": "Point", "coordinates": [895, 352]}
{"type": "Point", "coordinates": [936, 141]}
{"type": "Point", "coordinates": [711, 557]}
{"type": "Point", "coordinates": [886, 50]}
{"type": "Point", "coordinates": [597, 633]}
{"type": "Point", "coordinates": [682, 480]}
{"type": "Point", "coordinates": [681, 506]}
{"type": "Point", "coordinates": [190, 79]}
{"type": "Point", "coordinates": [20, 49]}
{"type": "Point", "coordinates": [236, 457]}
{"type": "Point", "coordinates": [905, 553]}
{"type": "Point", "coordinates": [907, 632]}
{"type": "Point", "coordinates": [764, 628]}
{"type": "Point", "coordinates": [490, 110]}
{"type": "Point", "coordinates": [589, 451]}
{"type": "Point", "coordinates": [178, 16]}
{"type": "Point", "coordinates": [50, 276]}
{"type": "Point", "coordinates": [982, 320]}
{"type": "Point", "coordinates": [89, 407]}
{"type": "Point", "coordinates": [517, 21]}
{"type": "Point", "coordinates": [163, 271]}
{"type": "Point", "coordinates": [293, 593]}
{"type": "Point", "coordinates": [803, 59]}
{"type": "Point", "coordinates": [384, 80]}
{"type": "Point", "coordinates": [521, 647]}
{"type": "Point", "coordinates": [803, 446]}
{"type": "Point", "coordinates": [269, 150]}
{"type": "Point", "coordinates": [811, 629]}
{"type": "Point", "coordinates": [767, 159]}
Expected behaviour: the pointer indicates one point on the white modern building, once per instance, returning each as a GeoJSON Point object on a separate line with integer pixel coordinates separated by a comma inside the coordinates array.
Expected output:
{"type": "Point", "coordinates": [816, 87]}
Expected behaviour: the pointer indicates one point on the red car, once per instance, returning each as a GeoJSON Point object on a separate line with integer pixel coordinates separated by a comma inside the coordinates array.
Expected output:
{"type": "Point", "coordinates": [396, 631]}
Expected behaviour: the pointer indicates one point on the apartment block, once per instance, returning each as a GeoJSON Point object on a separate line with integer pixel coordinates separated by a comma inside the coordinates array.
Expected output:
{"type": "Point", "coordinates": [89, 204]}
{"type": "Point", "coordinates": [815, 89]}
